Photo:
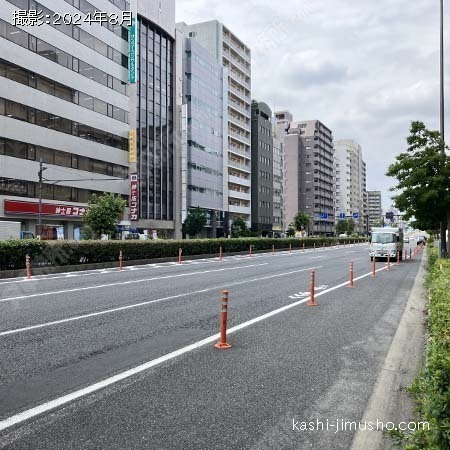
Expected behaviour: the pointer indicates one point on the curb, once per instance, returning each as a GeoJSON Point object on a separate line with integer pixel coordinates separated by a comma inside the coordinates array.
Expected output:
{"type": "Point", "coordinates": [388, 401]}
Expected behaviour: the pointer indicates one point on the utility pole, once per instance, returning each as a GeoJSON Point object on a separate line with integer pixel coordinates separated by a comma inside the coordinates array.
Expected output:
{"type": "Point", "coordinates": [41, 170]}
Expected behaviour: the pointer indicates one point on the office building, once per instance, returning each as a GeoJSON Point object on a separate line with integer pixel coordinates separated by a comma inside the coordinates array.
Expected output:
{"type": "Point", "coordinates": [278, 226]}
{"type": "Point", "coordinates": [262, 168]}
{"type": "Point", "coordinates": [350, 173]}
{"type": "Point", "coordinates": [98, 111]}
{"type": "Point", "coordinates": [375, 211]}
{"type": "Point", "coordinates": [234, 55]}
{"type": "Point", "coordinates": [63, 100]}
{"type": "Point", "coordinates": [309, 163]}
{"type": "Point", "coordinates": [204, 137]}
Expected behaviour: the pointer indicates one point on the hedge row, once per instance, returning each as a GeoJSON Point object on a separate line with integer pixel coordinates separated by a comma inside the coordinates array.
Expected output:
{"type": "Point", "coordinates": [431, 388]}
{"type": "Point", "coordinates": [63, 253]}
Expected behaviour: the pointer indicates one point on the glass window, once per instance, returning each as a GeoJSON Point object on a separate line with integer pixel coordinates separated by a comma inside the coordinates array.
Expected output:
{"type": "Point", "coordinates": [17, 74]}
{"type": "Point", "coordinates": [16, 149]}
{"type": "Point", "coordinates": [62, 193]}
{"type": "Point", "coordinates": [63, 92]}
{"type": "Point", "coordinates": [100, 106]}
{"type": "Point", "coordinates": [45, 154]}
{"type": "Point", "coordinates": [85, 100]}
{"type": "Point", "coordinates": [45, 85]}
{"type": "Point", "coordinates": [46, 50]}
{"type": "Point", "coordinates": [63, 125]}
{"type": "Point", "coordinates": [63, 159]}
{"type": "Point", "coordinates": [16, 110]}
{"type": "Point", "coordinates": [17, 35]}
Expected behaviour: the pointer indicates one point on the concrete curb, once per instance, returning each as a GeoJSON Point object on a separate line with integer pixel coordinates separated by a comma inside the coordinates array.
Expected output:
{"type": "Point", "coordinates": [389, 402]}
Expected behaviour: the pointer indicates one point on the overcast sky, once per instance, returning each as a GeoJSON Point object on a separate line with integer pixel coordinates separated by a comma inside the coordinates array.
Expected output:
{"type": "Point", "coordinates": [365, 68]}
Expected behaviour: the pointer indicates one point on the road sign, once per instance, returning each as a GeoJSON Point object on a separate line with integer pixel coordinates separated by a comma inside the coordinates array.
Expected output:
{"type": "Point", "coordinates": [341, 215]}
{"type": "Point", "coordinates": [355, 216]}
{"type": "Point", "coordinates": [324, 216]}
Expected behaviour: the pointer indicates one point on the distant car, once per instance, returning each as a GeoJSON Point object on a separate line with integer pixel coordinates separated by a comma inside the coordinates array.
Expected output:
{"type": "Point", "coordinates": [406, 239]}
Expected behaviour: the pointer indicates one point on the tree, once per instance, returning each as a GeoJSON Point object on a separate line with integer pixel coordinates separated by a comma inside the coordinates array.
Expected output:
{"type": "Point", "coordinates": [103, 213]}
{"type": "Point", "coordinates": [423, 181]}
{"type": "Point", "coordinates": [239, 228]}
{"type": "Point", "coordinates": [350, 226]}
{"type": "Point", "coordinates": [301, 221]}
{"type": "Point", "coordinates": [341, 227]}
{"type": "Point", "coordinates": [195, 221]}
{"type": "Point", "coordinates": [290, 231]}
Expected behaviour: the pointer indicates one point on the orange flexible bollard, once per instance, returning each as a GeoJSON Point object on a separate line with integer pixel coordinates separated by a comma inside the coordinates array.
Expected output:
{"type": "Point", "coordinates": [120, 260]}
{"type": "Point", "coordinates": [398, 257]}
{"type": "Point", "coordinates": [389, 262]}
{"type": "Point", "coordinates": [303, 246]}
{"type": "Point", "coordinates": [352, 283]}
{"type": "Point", "coordinates": [223, 344]}
{"type": "Point", "coordinates": [290, 248]}
{"type": "Point", "coordinates": [28, 266]}
{"type": "Point", "coordinates": [374, 271]}
{"type": "Point", "coordinates": [273, 250]}
{"type": "Point", "coordinates": [180, 252]}
{"type": "Point", "coordinates": [312, 301]}
{"type": "Point", "coordinates": [220, 253]}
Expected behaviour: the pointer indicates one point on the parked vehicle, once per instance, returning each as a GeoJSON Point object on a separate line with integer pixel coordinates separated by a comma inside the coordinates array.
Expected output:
{"type": "Point", "coordinates": [386, 242]}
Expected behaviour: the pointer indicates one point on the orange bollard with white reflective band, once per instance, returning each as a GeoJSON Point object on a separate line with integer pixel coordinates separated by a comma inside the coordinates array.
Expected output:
{"type": "Point", "coordinates": [180, 253]}
{"type": "Point", "coordinates": [352, 282]}
{"type": "Point", "coordinates": [290, 248]}
{"type": "Point", "coordinates": [303, 246]}
{"type": "Point", "coordinates": [398, 257]}
{"type": "Point", "coordinates": [314, 245]}
{"type": "Point", "coordinates": [28, 266]}
{"type": "Point", "coordinates": [120, 260]}
{"type": "Point", "coordinates": [389, 262]}
{"type": "Point", "coordinates": [223, 344]}
{"type": "Point", "coordinates": [312, 301]}
{"type": "Point", "coordinates": [273, 249]}
{"type": "Point", "coordinates": [410, 257]}
{"type": "Point", "coordinates": [374, 271]}
{"type": "Point", "coordinates": [220, 253]}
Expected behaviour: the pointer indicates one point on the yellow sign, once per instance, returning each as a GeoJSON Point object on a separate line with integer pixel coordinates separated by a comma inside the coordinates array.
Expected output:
{"type": "Point", "coordinates": [132, 146]}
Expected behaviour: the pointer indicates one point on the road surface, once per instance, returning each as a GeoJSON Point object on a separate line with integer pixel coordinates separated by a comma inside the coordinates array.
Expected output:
{"type": "Point", "coordinates": [125, 360]}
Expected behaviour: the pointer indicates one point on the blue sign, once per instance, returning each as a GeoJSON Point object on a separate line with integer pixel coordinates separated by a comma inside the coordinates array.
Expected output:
{"type": "Point", "coordinates": [355, 215]}
{"type": "Point", "coordinates": [324, 216]}
{"type": "Point", "coordinates": [341, 215]}
{"type": "Point", "coordinates": [133, 52]}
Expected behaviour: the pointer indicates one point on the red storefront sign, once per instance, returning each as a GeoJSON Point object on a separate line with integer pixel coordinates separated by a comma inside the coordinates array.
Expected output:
{"type": "Point", "coordinates": [48, 209]}
{"type": "Point", "coordinates": [134, 200]}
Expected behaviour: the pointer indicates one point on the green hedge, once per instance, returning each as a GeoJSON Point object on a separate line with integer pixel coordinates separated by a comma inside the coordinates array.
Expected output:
{"type": "Point", "coordinates": [431, 388]}
{"type": "Point", "coordinates": [63, 253]}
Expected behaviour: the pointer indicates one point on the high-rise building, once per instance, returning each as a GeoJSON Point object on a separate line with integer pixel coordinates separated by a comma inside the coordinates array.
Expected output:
{"type": "Point", "coordinates": [278, 186]}
{"type": "Point", "coordinates": [262, 168]}
{"type": "Point", "coordinates": [309, 182]}
{"type": "Point", "coordinates": [96, 108]}
{"type": "Point", "coordinates": [204, 136]}
{"type": "Point", "coordinates": [235, 56]}
{"type": "Point", "coordinates": [375, 211]}
{"type": "Point", "coordinates": [350, 173]}
{"type": "Point", "coordinates": [63, 101]}
{"type": "Point", "coordinates": [154, 92]}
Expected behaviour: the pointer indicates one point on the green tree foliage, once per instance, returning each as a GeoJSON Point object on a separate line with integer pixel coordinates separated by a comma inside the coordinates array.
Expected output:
{"type": "Point", "coordinates": [423, 180]}
{"type": "Point", "coordinates": [290, 231]}
{"type": "Point", "coordinates": [239, 228]}
{"type": "Point", "coordinates": [341, 227]}
{"type": "Point", "coordinates": [301, 221]}
{"type": "Point", "coordinates": [195, 221]}
{"type": "Point", "coordinates": [350, 226]}
{"type": "Point", "coordinates": [103, 213]}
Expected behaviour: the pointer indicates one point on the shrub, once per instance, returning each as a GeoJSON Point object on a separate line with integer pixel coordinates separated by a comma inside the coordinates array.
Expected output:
{"type": "Point", "coordinates": [63, 253]}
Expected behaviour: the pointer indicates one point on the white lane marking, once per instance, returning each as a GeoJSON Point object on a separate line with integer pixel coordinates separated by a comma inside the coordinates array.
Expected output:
{"type": "Point", "coordinates": [60, 401]}
{"type": "Point", "coordinates": [122, 283]}
{"type": "Point", "coordinates": [149, 302]}
{"type": "Point", "coordinates": [112, 270]}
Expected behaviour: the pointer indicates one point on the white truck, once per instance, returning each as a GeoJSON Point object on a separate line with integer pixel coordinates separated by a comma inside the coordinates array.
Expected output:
{"type": "Point", "coordinates": [386, 242]}
{"type": "Point", "coordinates": [12, 230]}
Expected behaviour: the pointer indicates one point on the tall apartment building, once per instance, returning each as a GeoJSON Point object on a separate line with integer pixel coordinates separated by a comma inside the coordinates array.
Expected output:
{"type": "Point", "coordinates": [350, 173]}
{"type": "Point", "coordinates": [375, 211]}
{"type": "Point", "coordinates": [63, 100]}
{"type": "Point", "coordinates": [204, 136]}
{"type": "Point", "coordinates": [278, 226]}
{"type": "Point", "coordinates": [235, 56]}
{"type": "Point", "coordinates": [309, 159]}
{"type": "Point", "coordinates": [262, 168]}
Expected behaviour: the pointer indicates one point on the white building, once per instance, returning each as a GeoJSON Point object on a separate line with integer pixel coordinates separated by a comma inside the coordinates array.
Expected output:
{"type": "Point", "coordinates": [228, 49]}
{"type": "Point", "coordinates": [350, 173]}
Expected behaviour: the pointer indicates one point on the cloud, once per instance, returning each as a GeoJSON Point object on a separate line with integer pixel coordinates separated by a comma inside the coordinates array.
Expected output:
{"type": "Point", "coordinates": [365, 68]}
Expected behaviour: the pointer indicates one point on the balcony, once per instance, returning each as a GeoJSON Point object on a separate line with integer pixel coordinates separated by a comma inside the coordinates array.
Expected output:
{"type": "Point", "coordinates": [239, 166]}
{"type": "Point", "coordinates": [241, 94]}
{"type": "Point", "coordinates": [238, 107]}
{"type": "Point", "coordinates": [239, 180]}
{"type": "Point", "coordinates": [239, 122]}
{"type": "Point", "coordinates": [240, 195]}
{"type": "Point", "coordinates": [241, 137]}
{"type": "Point", "coordinates": [239, 209]}
{"type": "Point", "coordinates": [237, 63]}
{"type": "Point", "coordinates": [239, 50]}
{"type": "Point", "coordinates": [239, 151]}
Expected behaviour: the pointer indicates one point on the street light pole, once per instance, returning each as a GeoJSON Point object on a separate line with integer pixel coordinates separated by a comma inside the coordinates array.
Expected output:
{"type": "Point", "coordinates": [442, 112]}
{"type": "Point", "coordinates": [41, 170]}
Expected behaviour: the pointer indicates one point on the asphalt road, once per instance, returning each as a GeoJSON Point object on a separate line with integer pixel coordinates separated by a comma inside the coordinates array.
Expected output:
{"type": "Point", "coordinates": [125, 360]}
